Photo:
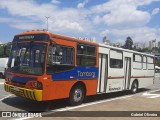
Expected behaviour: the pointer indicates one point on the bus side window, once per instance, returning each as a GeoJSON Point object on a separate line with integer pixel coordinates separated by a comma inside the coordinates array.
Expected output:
{"type": "Point", "coordinates": [86, 55]}
{"type": "Point", "coordinates": [60, 59]}
{"type": "Point", "coordinates": [116, 59]}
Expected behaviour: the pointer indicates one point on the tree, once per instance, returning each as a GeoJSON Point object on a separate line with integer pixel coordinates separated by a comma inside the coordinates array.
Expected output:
{"type": "Point", "coordinates": [157, 63]}
{"type": "Point", "coordinates": [5, 49]}
{"type": "Point", "coordinates": [155, 49]}
{"type": "Point", "coordinates": [128, 43]}
{"type": "Point", "coordinates": [146, 50]}
{"type": "Point", "coordinates": [106, 41]}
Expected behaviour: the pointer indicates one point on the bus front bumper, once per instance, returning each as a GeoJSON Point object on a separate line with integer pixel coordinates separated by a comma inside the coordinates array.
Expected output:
{"type": "Point", "coordinates": [23, 92]}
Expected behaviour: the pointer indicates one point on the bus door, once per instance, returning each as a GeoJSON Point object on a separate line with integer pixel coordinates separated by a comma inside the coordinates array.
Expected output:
{"type": "Point", "coordinates": [127, 72]}
{"type": "Point", "coordinates": [102, 77]}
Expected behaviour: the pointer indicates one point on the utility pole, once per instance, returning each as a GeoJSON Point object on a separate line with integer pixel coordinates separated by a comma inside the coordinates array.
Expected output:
{"type": "Point", "coordinates": [47, 17]}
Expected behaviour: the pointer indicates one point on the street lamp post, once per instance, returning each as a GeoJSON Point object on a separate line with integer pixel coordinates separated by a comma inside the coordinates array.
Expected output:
{"type": "Point", "coordinates": [47, 17]}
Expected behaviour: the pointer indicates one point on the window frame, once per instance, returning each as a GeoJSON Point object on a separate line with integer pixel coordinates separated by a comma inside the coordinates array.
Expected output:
{"type": "Point", "coordinates": [115, 59]}
{"type": "Point", "coordinates": [134, 61]}
{"type": "Point", "coordinates": [150, 62]}
{"type": "Point", "coordinates": [71, 65]}
{"type": "Point", "coordinates": [144, 62]}
{"type": "Point", "coordinates": [86, 55]}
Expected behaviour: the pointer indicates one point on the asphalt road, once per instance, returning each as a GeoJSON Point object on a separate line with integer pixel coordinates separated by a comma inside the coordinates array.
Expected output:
{"type": "Point", "coordinates": [145, 100]}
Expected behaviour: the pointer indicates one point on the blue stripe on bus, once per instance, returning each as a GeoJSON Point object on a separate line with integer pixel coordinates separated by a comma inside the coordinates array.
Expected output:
{"type": "Point", "coordinates": [77, 73]}
{"type": "Point", "coordinates": [19, 79]}
{"type": "Point", "coordinates": [22, 79]}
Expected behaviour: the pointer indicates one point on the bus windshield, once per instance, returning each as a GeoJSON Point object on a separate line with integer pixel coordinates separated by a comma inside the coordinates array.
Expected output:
{"type": "Point", "coordinates": [27, 58]}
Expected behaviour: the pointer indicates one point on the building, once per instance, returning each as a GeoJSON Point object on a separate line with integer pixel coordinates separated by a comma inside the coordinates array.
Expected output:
{"type": "Point", "coordinates": [153, 43]}
{"type": "Point", "coordinates": [118, 44]}
{"type": "Point", "coordinates": [138, 45]}
{"type": "Point", "coordinates": [158, 44]}
{"type": "Point", "coordinates": [146, 45]}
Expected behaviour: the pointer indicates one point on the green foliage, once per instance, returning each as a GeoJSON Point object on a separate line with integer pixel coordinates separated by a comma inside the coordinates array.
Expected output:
{"type": "Point", "coordinates": [157, 63]}
{"type": "Point", "coordinates": [146, 50]}
{"type": "Point", "coordinates": [5, 50]}
{"type": "Point", "coordinates": [155, 49]}
{"type": "Point", "coordinates": [128, 43]}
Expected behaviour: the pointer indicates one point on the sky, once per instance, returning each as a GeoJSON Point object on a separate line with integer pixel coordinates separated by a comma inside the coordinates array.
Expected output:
{"type": "Point", "coordinates": [116, 19]}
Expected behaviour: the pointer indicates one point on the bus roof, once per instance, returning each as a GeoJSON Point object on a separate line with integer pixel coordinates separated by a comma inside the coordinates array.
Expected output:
{"type": "Point", "coordinates": [53, 35]}
{"type": "Point", "coordinates": [126, 50]}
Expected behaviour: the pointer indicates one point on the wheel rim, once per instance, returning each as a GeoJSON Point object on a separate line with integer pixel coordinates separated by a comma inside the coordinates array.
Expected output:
{"type": "Point", "coordinates": [77, 95]}
{"type": "Point", "coordinates": [134, 87]}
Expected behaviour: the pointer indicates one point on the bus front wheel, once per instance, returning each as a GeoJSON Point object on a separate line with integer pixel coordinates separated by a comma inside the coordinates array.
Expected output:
{"type": "Point", "coordinates": [134, 87]}
{"type": "Point", "coordinates": [77, 95]}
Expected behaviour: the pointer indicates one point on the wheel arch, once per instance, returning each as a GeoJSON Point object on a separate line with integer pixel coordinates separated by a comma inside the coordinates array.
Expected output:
{"type": "Point", "coordinates": [134, 80]}
{"type": "Point", "coordinates": [71, 100]}
{"type": "Point", "coordinates": [79, 83]}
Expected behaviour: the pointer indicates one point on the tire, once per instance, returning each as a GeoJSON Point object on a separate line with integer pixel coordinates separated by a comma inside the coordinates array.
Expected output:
{"type": "Point", "coordinates": [76, 96]}
{"type": "Point", "coordinates": [134, 87]}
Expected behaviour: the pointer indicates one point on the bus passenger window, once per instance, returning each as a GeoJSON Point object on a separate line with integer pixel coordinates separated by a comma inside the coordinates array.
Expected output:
{"type": "Point", "coordinates": [60, 58]}
{"type": "Point", "coordinates": [115, 63]}
{"type": "Point", "coordinates": [86, 55]}
{"type": "Point", "coordinates": [116, 59]}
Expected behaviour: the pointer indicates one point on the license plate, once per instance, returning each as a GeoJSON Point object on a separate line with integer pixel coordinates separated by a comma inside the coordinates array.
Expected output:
{"type": "Point", "coordinates": [16, 89]}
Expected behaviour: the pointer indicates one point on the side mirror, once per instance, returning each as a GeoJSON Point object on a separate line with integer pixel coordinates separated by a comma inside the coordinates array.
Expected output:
{"type": "Point", "coordinates": [12, 63]}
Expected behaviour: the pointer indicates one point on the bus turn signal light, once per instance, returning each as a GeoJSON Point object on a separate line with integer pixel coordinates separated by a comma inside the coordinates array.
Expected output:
{"type": "Point", "coordinates": [34, 85]}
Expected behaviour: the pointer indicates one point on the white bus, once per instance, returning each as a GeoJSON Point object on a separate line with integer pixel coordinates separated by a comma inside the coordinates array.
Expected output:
{"type": "Point", "coordinates": [123, 69]}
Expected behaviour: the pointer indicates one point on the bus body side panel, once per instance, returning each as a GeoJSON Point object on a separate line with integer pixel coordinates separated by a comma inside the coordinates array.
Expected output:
{"type": "Point", "coordinates": [127, 60]}
{"type": "Point", "coordinates": [103, 70]}
{"type": "Point", "coordinates": [115, 80]}
{"type": "Point", "coordinates": [61, 89]}
{"type": "Point", "coordinates": [115, 75]}
{"type": "Point", "coordinates": [143, 73]}
{"type": "Point", "coordinates": [60, 84]}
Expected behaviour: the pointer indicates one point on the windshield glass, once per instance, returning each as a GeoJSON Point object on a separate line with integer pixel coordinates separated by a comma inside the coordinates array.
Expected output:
{"type": "Point", "coordinates": [27, 58]}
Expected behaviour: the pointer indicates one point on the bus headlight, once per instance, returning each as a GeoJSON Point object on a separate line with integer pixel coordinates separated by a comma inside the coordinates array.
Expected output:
{"type": "Point", "coordinates": [34, 85]}
{"type": "Point", "coordinates": [39, 85]}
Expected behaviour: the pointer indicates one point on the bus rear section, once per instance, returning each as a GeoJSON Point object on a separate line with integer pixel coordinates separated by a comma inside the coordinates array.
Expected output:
{"type": "Point", "coordinates": [122, 69]}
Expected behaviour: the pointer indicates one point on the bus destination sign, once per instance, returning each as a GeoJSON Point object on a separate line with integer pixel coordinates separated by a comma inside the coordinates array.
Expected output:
{"type": "Point", "coordinates": [26, 37]}
{"type": "Point", "coordinates": [31, 37]}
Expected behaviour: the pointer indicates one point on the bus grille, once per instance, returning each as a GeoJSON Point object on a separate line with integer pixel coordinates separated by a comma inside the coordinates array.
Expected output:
{"type": "Point", "coordinates": [21, 92]}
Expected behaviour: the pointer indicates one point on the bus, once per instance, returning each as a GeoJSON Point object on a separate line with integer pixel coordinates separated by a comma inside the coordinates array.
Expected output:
{"type": "Point", "coordinates": [44, 66]}
{"type": "Point", "coordinates": [4, 54]}
{"type": "Point", "coordinates": [157, 69]}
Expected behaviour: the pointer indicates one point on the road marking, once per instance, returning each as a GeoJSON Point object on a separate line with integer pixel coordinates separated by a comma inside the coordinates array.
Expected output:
{"type": "Point", "coordinates": [80, 106]}
{"type": "Point", "coordinates": [6, 97]}
{"type": "Point", "coordinates": [1, 83]}
{"type": "Point", "coordinates": [151, 95]}
{"type": "Point", "coordinates": [84, 105]}
{"type": "Point", "coordinates": [75, 107]}
{"type": "Point", "coordinates": [154, 90]}
{"type": "Point", "coordinates": [92, 103]}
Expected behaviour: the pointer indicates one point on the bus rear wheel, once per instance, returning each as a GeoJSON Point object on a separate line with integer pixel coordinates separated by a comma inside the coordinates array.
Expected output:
{"type": "Point", "coordinates": [134, 87]}
{"type": "Point", "coordinates": [76, 96]}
